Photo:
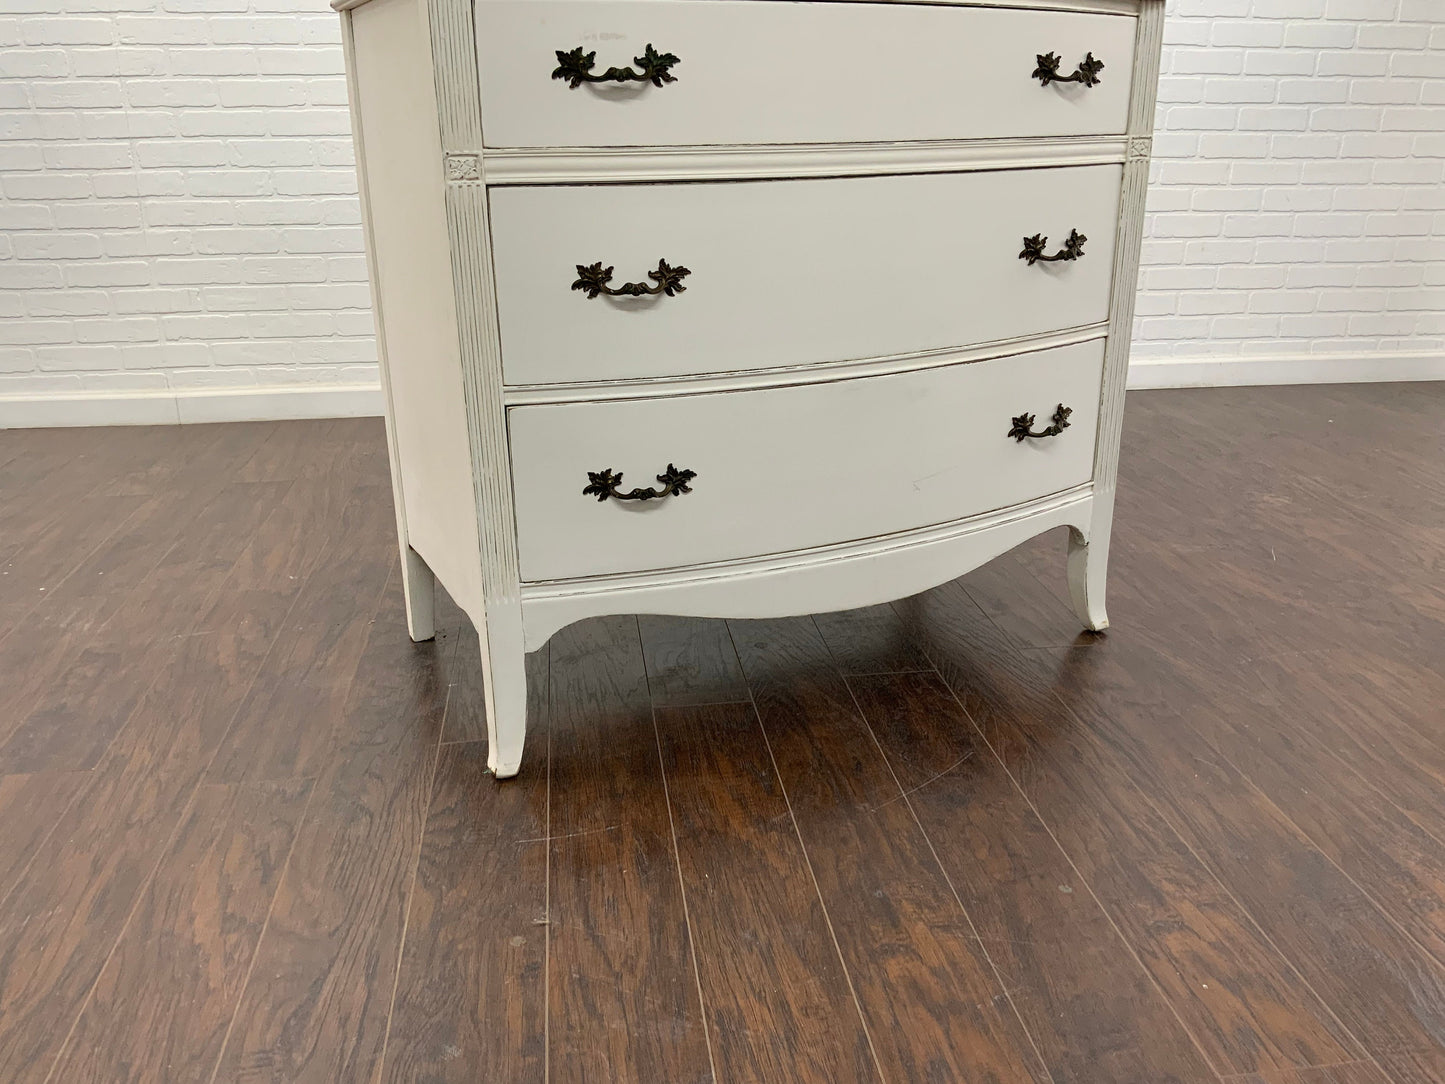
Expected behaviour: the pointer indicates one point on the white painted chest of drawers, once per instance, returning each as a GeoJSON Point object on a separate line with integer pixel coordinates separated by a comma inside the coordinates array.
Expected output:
{"type": "Point", "coordinates": [843, 290]}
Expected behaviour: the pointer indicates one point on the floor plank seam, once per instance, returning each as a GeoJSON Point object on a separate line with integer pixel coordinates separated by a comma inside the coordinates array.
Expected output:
{"type": "Point", "coordinates": [817, 628]}
{"type": "Point", "coordinates": [35, 851]}
{"type": "Point", "coordinates": [883, 673]}
{"type": "Point", "coordinates": [565, 835]}
{"type": "Point", "coordinates": [803, 847]}
{"type": "Point", "coordinates": [931, 779]}
{"type": "Point", "coordinates": [162, 500]}
{"type": "Point", "coordinates": [141, 890]}
{"type": "Point", "coordinates": [261, 934]}
{"type": "Point", "coordinates": [1041, 1062]}
{"type": "Point", "coordinates": [145, 882]}
{"type": "Point", "coordinates": [1335, 757]}
{"type": "Point", "coordinates": [191, 630]}
{"type": "Point", "coordinates": [348, 677]}
{"type": "Point", "coordinates": [690, 704]}
{"type": "Point", "coordinates": [1007, 637]}
{"type": "Point", "coordinates": [48, 592]}
{"type": "Point", "coordinates": [818, 891]}
{"type": "Point", "coordinates": [301, 821]}
{"type": "Point", "coordinates": [410, 896]}
{"type": "Point", "coordinates": [326, 428]}
{"type": "Point", "coordinates": [1251, 1078]}
{"type": "Point", "coordinates": [677, 865]}
{"type": "Point", "coordinates": [1400, 928]}
{"type": "Point", "coordinates": [1230, 894]}
{"type": "Point", "coordinates": [1108, 915]}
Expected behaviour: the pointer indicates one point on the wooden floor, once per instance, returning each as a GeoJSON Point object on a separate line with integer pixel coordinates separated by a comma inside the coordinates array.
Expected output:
{"type": "Point", "coordinates": [246, 833]}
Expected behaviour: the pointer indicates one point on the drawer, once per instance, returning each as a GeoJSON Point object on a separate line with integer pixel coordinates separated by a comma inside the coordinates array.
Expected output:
{"type": "Point", "coordinates": [794, 272]}
{"type": "Point", "coordinates": [768, 72]}
{"type": "Point", "coordinates": [790, 468]}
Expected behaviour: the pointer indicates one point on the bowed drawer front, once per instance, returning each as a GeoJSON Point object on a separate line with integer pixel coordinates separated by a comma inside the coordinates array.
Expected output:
{"type": "Point", "coordinates": [784, 273]}
{"type": "Point", "coordinates": [789, 468]}
{"type": "Point", "coordinates": [744, 71]}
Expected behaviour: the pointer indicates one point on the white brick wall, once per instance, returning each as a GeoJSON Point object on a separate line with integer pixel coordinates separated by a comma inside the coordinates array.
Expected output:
{"type": "Point", "coordinates": [1298, 200]}
{"type": "Point", "coordinates": [179, 204]}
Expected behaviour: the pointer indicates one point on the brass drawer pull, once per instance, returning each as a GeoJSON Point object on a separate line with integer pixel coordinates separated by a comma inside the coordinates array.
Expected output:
{"type": "Point", "coordinates": [603, 484]}
{"type": "Point", "coordinates": [1024, 424]}
{"type": "Point", "coordinates": [593, 280]}
{"type": "Point", "coordinates": [576, 68]}
{"type": "Point", "coordinates": [1034, 249]}
{"type": "Point", "coordinates": [1048, 70]}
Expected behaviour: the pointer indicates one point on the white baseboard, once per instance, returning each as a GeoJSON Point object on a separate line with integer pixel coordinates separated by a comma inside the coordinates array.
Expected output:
{"type": "Point", "coordinates": [1236, 372]}
{"type": "Point", "coordinates": [167, 407]}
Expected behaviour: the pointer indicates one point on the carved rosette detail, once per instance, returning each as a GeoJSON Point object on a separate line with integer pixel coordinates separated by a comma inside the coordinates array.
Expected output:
{"type": "Point", "coordinates": [604, 483]}
{"type": "Point", "coordinates": [575, 67]}
{"type": "Point", "coordinates": [1086, 73]}
{"type": "Point", "coordinates": [1140, 148]}
{"type": "Point", "coordinates": [593, 279]}
{"type": "Point", "coordinates": [463, 167]}
{"type": "Point", "coordinates": [1023, 425]}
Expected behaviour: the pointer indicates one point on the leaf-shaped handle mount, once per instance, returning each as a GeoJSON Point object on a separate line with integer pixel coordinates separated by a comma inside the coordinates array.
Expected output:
{"type": "Point", "coordinates": [593, 279]}
{"type": "Point", "coordinates": [1087, 72]}
{"type": "Point", "coordinates": [604, 483]}
{"type": "Point", "coordinates": [1024, 424]}
{"type": "Point", "coordinates": [575, 67]}
{"type": "Point", "coordinates": [1034, 249]}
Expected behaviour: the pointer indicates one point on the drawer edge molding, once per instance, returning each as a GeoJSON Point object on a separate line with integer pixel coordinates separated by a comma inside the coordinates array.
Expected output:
{"type": "Point", "coordinates": [617, 165]}
{"type": "Point", "coordinates": [806, 581]}
{"type": "Point", "coordinates": [712, 383]}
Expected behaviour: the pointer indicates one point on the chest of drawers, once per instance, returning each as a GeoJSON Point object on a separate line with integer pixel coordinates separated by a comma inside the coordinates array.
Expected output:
{"type": "Point", "coordinates": [744, 308]}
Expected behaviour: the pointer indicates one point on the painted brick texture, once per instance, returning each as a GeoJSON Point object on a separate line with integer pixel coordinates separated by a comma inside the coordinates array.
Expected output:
{"type": "Point", "coordinates": [1297, 204]}
{"type": "Point", "coordinates": [178, 201]}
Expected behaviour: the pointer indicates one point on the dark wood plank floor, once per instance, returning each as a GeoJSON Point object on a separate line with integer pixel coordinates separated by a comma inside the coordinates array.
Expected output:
{"type": "Point", "coordinates": [248, 835]}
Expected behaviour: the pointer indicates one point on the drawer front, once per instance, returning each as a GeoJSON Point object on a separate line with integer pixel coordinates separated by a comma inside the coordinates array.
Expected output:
{"type": "Point", "coordinates": [793, 272]}
{"type": "Point", "coordinates": [789, 468]}
{"type": "Point", "coordinates": [751, 72]}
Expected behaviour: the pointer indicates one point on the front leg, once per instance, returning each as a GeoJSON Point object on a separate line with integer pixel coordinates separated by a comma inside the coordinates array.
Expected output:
{"type": "Point", "coordinates": [419, 587]}
{"type": "Point", "coordinates": [1088, 566]}
{"type": "Point", "coordinates": [504, 673]}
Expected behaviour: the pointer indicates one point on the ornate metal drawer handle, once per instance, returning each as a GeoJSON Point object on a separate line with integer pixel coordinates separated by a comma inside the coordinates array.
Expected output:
{"type": "Point", "coordinates": [1048, 70]}
{"type": "Point", "coordinates": [576, 68]}
{"type": "Point", "coordinates": [603, 484]}
{"type": "Point", "coordinates": [1034, 249]}
{"type": "Point", "coordinates": [593, 279]}
{"type": "Point", "coordinates": [1024, 424]}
